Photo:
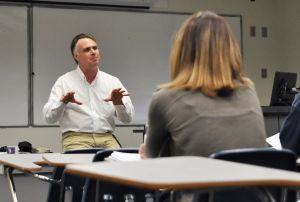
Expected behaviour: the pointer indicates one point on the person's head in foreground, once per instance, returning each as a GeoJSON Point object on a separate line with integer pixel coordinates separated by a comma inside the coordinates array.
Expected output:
{"type": "Point", "coordinates": [206, 56]}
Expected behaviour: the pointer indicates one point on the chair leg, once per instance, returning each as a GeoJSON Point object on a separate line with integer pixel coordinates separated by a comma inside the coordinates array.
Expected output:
{"type": "Point", "coordinates": [129, 198]}
{"type": "Point", "coordinates": [211, 196]}
{"type": "Point", "coordinates": [97, 196]}
{"type": "Point", "coordinates": [11, 184]}
{"type": "Point", "coordinates": [62, 187]}
{"type": "Point", "coordinates": [68, 196]}
{"type": "Point", "coordinates": [107, 198]}
{"type": "Point", "coordinates": [173, 196]}
{"type": "Point", "coordinates": [262, 194]}
{"type": "Point", "coordinates": [283, 194]}
{"type": "Point", "coordinates": [149, 197]}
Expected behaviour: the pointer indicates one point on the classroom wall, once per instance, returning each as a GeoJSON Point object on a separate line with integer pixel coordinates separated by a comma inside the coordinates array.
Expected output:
{"type": "Point", "coordinates": [278, 52]}
{"type": "Point", "coordinates": [258, 52]}
{"type": "Point", "coordinates": [289, 28]}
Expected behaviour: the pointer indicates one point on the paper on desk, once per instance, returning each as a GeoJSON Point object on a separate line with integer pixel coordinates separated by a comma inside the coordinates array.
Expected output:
{"type": "Point", "coordinates": [274, 141]}
{"type": "Point", "coordinates": [123, 157]}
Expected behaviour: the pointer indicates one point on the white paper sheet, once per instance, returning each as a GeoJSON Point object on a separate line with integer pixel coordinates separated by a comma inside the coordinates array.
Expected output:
{"type": "Point", "coordinates": [274, 141]}
{"type": "Point", "coordinates": [123, 157]}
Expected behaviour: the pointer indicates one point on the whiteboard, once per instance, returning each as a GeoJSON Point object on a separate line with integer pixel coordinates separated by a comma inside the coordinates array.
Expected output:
{"type": "Point", "coordinates": [134, 46]}
{"type": "Point", "coordinates": [14, 66]}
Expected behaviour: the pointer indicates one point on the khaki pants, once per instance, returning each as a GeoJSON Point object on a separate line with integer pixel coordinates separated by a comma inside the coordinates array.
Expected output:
{"type": "Point", "coordinates": [75, 140]}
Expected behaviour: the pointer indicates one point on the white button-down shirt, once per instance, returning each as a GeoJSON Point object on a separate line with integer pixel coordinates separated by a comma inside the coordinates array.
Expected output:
{"type": "Point", "coordinates": [94, 115]}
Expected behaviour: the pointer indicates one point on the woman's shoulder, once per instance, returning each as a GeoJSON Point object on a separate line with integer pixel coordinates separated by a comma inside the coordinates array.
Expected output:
{"type": "Point", "coordinates": [166, 96]}
{"type": "Point", "coordinates": [248, 84]}
{"type": "Point", "coordinates": [245, 80]}
{"type": "Point", "coordinates": [164, 93]}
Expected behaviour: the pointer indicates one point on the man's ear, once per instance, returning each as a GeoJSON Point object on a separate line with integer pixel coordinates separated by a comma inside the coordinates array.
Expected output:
{"type": "Point", "coordinates": [75, 57]}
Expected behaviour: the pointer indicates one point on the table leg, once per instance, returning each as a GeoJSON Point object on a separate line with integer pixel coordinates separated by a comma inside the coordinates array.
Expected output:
{"type": "Point", "coordinates": [11, 184]}
{"type": "Point", "coordinates": [97, 195]}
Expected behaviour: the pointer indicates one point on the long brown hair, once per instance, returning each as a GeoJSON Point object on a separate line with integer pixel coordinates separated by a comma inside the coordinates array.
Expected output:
{"type": "Point", "coordinates": [206, 56]}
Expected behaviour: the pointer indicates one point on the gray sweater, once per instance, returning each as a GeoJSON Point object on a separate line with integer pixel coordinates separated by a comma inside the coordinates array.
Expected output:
{"type": "Point", "coordinates": [198, 125]}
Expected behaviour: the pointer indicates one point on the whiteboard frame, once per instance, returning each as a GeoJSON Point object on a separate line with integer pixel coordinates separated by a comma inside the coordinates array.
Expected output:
{"type": "Point", "coordinates": [27, 6]}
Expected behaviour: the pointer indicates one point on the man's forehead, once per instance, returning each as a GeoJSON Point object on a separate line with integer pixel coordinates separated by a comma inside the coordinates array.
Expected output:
{"type": "Point", "coordinates": [86, 42]}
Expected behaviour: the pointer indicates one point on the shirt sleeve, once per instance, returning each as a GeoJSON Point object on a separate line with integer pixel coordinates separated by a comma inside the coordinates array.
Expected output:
{"type": "Point", "coordinates": [157, 133]}
{"type": "Point", "coordinates": [290, 130]}
{"type": "Point", "coordinates": [54, 108]}
{"type": "Point", "coordinates": [124, 112]}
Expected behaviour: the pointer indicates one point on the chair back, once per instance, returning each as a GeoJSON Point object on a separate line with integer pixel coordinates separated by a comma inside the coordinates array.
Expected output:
{"type": "Point", "coordinates": [73, 182]}
{"type": "Point", "coordinates": [117, 192]}
{"type": "Point", "coordinates": [266, 157]}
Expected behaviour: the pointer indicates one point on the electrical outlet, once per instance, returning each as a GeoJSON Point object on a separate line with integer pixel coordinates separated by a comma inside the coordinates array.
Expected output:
{"type": "Point", "coordinates": [263, 73]}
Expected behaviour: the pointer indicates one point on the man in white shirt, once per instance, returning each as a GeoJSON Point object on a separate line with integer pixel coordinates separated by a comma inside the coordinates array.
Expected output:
{"type": "Point", "coordinates": [86, 100]}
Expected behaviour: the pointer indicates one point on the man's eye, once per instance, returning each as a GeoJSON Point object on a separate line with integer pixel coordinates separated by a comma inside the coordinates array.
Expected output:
{"type": "Point", "coordinates": [86, 50]}
{"type": "Point", "coordinates": [95, 48]}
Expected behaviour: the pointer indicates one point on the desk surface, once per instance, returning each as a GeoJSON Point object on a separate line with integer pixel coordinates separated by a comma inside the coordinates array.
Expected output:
{"type": "Point", "coordinates": [185, 172]}
{"type": "Point", "coordinates": [26, 162]}
{"type": "Point", "coordinates": [32, 162]}
{"type": "Point", "coordinates": [64, 159]}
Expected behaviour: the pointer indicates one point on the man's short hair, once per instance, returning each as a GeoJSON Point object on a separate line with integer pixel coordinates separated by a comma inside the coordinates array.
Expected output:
{"type": "Point", "coordinates": [76, 39]}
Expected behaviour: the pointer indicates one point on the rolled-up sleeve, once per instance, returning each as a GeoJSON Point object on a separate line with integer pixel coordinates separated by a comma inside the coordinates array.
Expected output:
{"type": "Point", "coordinates": [125, 112]}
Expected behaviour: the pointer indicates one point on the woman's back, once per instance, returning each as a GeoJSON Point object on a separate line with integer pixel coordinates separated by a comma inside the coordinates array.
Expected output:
{"type": "Point", "coordinates": [200, 125]}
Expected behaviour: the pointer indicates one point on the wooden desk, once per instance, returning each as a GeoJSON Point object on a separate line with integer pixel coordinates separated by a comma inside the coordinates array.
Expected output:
{"type": "Point", "coordinates": [31, 162]}
{"type": "Point", "coordinates": [24, 162]}
{"type": "Point", "coordinates": [185, 172]}
{"type": "Point", "coordinates": [64, 159]}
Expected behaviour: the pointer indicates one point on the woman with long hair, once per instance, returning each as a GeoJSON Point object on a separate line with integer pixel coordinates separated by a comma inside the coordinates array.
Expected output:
{"type": "Point", "coordinates": [208, 106]}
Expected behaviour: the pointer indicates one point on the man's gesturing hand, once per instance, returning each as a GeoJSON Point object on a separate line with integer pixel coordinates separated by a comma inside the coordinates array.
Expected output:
{"type": "Point", "coordinates": [116, 96]}
{"type": "Point", "coordinates": [69, 97]}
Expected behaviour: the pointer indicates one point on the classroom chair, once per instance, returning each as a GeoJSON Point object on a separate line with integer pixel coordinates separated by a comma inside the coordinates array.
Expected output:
{"type": "Point", "coordinates": [116, 192]}
{"type": "Point", "coordinates": [266, 157]}
{"type": "Point", "coordinates": [71, 182]}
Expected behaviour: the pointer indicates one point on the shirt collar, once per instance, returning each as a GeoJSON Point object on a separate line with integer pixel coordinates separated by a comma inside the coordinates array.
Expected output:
{"type": "Point", "coordinates": [82, 76]}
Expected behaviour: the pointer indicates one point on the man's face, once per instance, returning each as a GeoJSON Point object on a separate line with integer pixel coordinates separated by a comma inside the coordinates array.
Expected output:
{"type": "Point", "coordinates": [87, 53]}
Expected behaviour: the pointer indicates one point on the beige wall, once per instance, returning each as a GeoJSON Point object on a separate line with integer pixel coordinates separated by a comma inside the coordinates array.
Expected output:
{"type": "Point", "coordinates": [290, 29]}
{"type": "Point", "coordinates": [258, 52]}
{"type": "Point", "coordinates": [278, 52]}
